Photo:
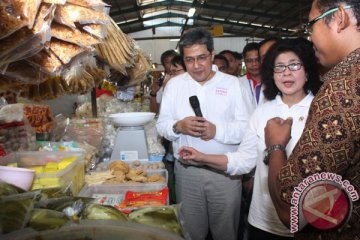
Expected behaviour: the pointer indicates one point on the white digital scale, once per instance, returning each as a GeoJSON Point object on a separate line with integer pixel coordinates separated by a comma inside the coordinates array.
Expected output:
{"type": "Point", "coordinates": [130, 141]}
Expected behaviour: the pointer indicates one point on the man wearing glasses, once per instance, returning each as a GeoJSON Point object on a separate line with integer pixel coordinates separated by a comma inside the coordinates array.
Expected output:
{"type": "Point", "coordinates": [210, 199]}
{"type": "Point", "coordinates": [331, 138]}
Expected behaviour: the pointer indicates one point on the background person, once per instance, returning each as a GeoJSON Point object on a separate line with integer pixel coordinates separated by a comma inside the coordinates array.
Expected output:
{"type": "Point", "coordinates": [165, 59]}
{"type": "Point", "coordinates": [221, 62]}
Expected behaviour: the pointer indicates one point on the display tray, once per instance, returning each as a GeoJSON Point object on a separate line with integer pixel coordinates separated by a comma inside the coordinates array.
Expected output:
{"type": "Point", "coordinates": [72, 175]}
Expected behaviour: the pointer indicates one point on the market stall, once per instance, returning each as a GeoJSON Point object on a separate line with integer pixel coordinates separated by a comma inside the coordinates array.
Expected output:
{"type": "Point", "coordinates": [60, 174]}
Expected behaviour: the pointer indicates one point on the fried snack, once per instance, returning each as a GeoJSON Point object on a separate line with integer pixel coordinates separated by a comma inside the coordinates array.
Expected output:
{"type": "Point", "coordinates": [69, 14]}
{"type": "Point", "coordinates": [65, 51]}
{"type": "Point", "coordinates": [27, 10]}
{"type": "Point", "coordinates": [156, 178]}
{"type": "Point", "coordinates": [46, 60]}
{"type": "Point", "coordinates": [119, 166]}
{"type": "Point", "coordinates": [10, 20]}
{"type": "Point", "coordinates": [74, 36]}
{"type": "Point", "coordinates": [97, 30]}
{"type": "Point", "coordinates": [98, 177]}
{"type": "Point", "coordinates": [137, 175]}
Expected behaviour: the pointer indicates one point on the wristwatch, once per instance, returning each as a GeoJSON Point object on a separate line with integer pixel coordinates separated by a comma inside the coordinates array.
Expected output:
{"type": "Point", "coordinates": [152, 94]}
{"type": "Point", "coordinates": [175, 130]}
{"type": "Point", "coordinates": [269, 150]}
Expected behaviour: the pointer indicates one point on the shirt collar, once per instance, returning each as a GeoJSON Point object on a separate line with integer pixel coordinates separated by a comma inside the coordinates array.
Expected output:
{"type": "Point", "coordinates": [305, 102]}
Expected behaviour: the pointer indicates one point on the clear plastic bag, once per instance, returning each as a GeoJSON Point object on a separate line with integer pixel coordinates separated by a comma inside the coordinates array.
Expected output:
{"type": "Point", "coordinates": [97, 30]}
{"type": "Point", "coordinates": [24, 73]}
{"type": "Point", "coordinates": [27, 42]}
{"type": "Point", "coordinates": [65, 51]}
{"type": "Point", "coordinates": [10, 19]}
{"type": "Point", "coordinates": [47, 61]}
{"type": "Point", "coordinates": [15, 131]}
{"type": "Point", "coordinates": [70, 14]}
{"type": "Point", "coordinates": [80, 38]}
{"type": "Point", "coordinates": [27, 10]}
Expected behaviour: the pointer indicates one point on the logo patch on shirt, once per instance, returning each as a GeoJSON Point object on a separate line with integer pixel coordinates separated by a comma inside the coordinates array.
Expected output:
{"type": "Point", "coordinates": [221, 91]}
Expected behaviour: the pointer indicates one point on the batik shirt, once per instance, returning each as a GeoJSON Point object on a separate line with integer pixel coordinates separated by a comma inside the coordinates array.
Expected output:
{"type": "Point", "coordinates": [330, 142]}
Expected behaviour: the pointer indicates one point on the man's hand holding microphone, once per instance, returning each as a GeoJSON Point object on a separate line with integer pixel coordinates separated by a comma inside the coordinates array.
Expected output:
{"type": "Point", "coordinates": [196, 126]}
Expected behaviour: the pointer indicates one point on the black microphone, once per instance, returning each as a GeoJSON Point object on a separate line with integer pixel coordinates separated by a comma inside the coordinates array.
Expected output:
{"type": "Point", "coordinates": [194, 102]}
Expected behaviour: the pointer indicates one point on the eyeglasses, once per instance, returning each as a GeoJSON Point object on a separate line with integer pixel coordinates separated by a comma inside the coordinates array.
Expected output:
{"type": "Point", "coordinates": [199, 59]}
{"type": "Point", "coordinates": [308, 26]}
{"type": "Point", "coordinates": [174, 72]}
{"type": "Point", "coordinates": [251, 60]}
{"type": "Point", "coordinates": [292, 67]}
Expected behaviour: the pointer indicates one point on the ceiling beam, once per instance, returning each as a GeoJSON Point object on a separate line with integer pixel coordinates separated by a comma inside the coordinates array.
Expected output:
{"type": "Point", "coordinates": [204, 6]}
{"type": "Point", "coordinates": [239, 24]}
{"type": "Point", "coordinates": [149, 6]}
{"type": "Point", "coordinates": [165, 24]}
{"type": "Point", "coordinates": [165, 15]}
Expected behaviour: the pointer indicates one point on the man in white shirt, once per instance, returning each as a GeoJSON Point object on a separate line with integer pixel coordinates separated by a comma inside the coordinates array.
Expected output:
{"type": "Point", "coordinates": [210, 198]}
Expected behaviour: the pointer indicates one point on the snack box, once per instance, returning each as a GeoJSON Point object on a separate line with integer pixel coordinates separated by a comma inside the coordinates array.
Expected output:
{"type": "Point", "coordinates": [115, 194]}
{"type": "Point", "coordinates": [53, 169]}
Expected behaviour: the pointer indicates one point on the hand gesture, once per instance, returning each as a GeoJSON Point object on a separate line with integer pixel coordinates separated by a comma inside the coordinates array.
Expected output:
{"type": "Point", "coordinates": [189, 153]}
{"type": "Point", "coordinates": [193, 126]}
{"type": "Point", "coordinates": [209, 131]}
{"type": "Point", "coordinates": [278, 131]}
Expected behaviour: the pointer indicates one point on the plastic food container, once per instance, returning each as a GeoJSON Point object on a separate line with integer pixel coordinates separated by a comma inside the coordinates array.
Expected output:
{"type": "Point", "coordinates": [20, 177]}
{"type": "Point", "coordinates": [72, 175]}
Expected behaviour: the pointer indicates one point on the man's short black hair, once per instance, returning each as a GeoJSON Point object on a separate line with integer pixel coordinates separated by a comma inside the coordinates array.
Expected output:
{"type": "Point", "coordinates": [221, 57]}
{"type": "Point", "coordinates": [227, 52]}
{"type": "Point", "coordinates": [250, 47]}
{"type": "Point", "coordinates": [325, 5]}
{"type": "Point", "coordinates": [166, 54]}
{"type": "Point", "coordinates": [179, 60]}
{"type": "Point", "coordinates": [196, 36]}
{"type": "Point", "coordinates": [238, 55]}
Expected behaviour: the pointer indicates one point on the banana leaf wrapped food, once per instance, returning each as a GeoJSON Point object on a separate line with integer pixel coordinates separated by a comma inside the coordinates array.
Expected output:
{"type": "Point", "coordinates": [164, 217]}
{"type": "Point", "coordinates": [9, 189]}
{"type": "Point", "coordinates": [102, 212]}
{"type": "Point", "coordinates": [15, 211]}
{"type": "Point", "coordinates": [44, 219]}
